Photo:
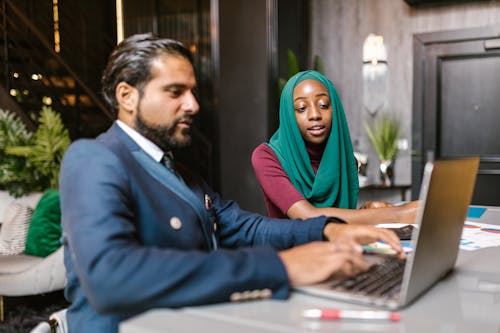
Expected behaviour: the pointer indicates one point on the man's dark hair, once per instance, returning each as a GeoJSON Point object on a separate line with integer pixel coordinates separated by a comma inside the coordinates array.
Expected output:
{"type": "Point", "coordinates": [131, 60]}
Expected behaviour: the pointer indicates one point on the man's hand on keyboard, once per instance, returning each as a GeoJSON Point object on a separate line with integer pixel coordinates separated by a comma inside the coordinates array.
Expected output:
{"type": "Point", "coordinates": [361, 234]}
{"type": "Point", "coordinates": [317, 261]}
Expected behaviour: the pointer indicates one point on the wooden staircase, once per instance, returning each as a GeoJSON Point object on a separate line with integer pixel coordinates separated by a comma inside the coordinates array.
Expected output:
{"type": "Point", "coordinates": [33, 74]}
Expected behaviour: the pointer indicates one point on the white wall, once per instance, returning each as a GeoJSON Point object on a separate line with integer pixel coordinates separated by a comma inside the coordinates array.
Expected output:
{"type": "Point", "coordinates": [338, 30]}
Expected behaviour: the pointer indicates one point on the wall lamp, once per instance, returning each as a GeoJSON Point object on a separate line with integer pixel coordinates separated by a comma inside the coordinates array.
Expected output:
{"type": "Point", "coordinates": [374, 50]}
{"type": "Point", "coordinates": [374, 73]}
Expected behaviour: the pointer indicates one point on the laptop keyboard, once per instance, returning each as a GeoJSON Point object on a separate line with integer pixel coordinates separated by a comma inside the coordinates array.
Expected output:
{"type": "Point", "coordinates": [381, 280]}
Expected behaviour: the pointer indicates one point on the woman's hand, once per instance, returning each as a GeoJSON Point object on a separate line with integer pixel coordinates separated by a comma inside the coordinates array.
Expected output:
{"type": "Point", "coordinates": [375, 204]}
{"type": "Point", "coordinates": [407, 213]}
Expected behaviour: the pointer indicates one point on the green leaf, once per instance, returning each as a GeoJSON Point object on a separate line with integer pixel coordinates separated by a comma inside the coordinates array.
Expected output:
{"type": "Point", "coordinates": [18, 176]}
{"type": "Point", "coordinates": [318, 64]}
{"type": "Point", "coordinates": [33, 164]}
{"type": "Point", "coordinates": [51, 141]}
{"type": "Point", "coordinates": [383, 135]}
{"type": "Point", "coordinates": [293, 65]}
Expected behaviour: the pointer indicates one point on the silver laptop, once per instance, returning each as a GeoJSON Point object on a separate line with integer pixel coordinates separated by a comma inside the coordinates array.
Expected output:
{"type": "Point", "coordinates": [445, 196]}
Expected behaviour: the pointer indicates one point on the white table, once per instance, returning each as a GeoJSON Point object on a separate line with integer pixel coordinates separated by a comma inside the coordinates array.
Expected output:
{"type": "Point", "coordinates": [468, 300]}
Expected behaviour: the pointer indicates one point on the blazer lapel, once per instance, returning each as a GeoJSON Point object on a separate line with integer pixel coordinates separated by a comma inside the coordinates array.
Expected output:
{"type": "Point", "coordinates": [171, 181]}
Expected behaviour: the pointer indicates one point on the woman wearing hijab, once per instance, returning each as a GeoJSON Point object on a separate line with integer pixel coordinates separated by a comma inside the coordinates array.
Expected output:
{"type": "Point", "coordinates": [308, 167]}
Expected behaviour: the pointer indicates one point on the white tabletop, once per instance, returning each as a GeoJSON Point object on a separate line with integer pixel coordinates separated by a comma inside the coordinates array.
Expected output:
{"type": "Point", "coordinates": [468, 300]}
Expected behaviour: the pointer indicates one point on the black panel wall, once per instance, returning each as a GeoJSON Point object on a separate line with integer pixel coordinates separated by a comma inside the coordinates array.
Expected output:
{"type": "Point", "coordinates": [243, 95]}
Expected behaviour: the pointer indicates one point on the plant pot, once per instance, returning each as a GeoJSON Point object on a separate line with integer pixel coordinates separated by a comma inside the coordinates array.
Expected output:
{"type": "Point", "coordinates": [386, 169]}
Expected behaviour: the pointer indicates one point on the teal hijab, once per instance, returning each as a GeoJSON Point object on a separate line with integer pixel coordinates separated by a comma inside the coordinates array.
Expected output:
{"type": "Point", "coordinates": [336, 182]}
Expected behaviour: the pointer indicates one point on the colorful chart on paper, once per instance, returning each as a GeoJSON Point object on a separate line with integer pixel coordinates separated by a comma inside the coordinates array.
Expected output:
{"type": "Point", "coordinates": [479, 235]}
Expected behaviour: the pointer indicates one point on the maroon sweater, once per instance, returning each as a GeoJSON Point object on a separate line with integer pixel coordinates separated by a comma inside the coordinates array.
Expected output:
{"type": "Point", "coordinates": [279, 192]}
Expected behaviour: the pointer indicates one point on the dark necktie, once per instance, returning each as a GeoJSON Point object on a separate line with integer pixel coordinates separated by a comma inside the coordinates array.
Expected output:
{"type": "Point", "coordinates": [168, 161]}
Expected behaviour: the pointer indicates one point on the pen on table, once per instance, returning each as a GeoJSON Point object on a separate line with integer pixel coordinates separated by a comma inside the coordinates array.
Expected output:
{"type": "Point", "coordinates": [373, 250]}
{"type": "Point", "coordinates": [336, 314]}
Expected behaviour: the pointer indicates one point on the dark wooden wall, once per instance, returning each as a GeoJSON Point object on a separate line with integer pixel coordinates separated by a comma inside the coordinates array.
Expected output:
{"type": "Point", "coordinates": [338, 30]}
{"type": "Point", "coordinates": [243, 95]}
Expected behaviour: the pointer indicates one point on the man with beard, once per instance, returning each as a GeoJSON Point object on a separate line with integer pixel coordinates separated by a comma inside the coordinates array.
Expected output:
{"type": "Point", "coordinates": [140, 232]}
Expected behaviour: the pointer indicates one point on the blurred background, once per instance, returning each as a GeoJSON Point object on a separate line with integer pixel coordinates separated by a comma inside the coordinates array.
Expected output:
{"type": "Point", "coordinates": [431, 65]}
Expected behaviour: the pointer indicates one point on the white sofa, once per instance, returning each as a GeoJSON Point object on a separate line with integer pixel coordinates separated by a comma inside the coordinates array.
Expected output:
{"type": "Point", "coordinates": [24, 275]}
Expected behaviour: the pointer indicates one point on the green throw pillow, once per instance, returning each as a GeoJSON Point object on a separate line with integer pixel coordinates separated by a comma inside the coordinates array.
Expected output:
{"type": "Point", "coordinates": [44, 232]}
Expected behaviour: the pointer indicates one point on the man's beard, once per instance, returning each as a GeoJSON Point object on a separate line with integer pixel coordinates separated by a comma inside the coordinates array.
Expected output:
{"type": "Point", "coordinates": [162, 136]}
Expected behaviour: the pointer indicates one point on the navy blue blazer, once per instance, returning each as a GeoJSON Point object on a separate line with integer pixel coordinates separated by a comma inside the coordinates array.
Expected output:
{"type": "Point", "coordinates": [136, 237]}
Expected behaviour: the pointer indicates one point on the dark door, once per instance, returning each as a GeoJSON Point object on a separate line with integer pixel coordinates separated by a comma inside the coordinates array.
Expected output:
{"type": "Point", "coordinates": [457, 104]}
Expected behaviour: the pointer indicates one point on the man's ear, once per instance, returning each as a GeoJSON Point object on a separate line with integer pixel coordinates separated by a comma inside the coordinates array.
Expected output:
{"type": "Point", "coordinates": [127, 97]}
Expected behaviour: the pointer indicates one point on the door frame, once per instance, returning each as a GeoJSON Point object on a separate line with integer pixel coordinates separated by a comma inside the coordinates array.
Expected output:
{"type": "Point", "coordinates": [429, 49]}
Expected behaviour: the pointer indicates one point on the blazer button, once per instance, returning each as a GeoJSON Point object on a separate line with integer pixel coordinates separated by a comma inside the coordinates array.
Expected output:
{"type": "Point", "coordinates": [266, 293]}
{"type": "Point", "coordinates": [235, 297]}
{"type": "Point", "coordinates": [175, 223]}
{"type": "Point", "coordinates": [246, 295]}
{"type": "Point", "coordinates": [256, 294]}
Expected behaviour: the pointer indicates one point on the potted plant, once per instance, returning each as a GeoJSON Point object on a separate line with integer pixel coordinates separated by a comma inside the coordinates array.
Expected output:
{"type": "Point", "coordinates": [30, 162]}
{"type": "Point", "coordinates": [384, 135]}
{"type": "Point", "coordinates": [293, 68]}
{"type": "Point", "coordinates": [18, 176]}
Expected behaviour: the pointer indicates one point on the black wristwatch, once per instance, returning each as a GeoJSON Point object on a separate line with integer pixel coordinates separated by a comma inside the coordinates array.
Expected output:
{"type": "Point", "coordinates": [333, 219]}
